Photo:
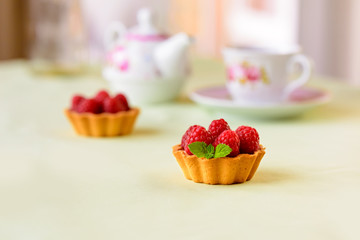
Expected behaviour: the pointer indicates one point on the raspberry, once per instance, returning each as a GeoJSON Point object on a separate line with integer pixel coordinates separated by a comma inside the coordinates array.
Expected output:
{"type": "Point", "coordinates": [112, 105]}
{"type": "Point", "coordinates": [88, 106]}
{"type": "Point", "coordinates": [197, 134]}
{"type": "Point", "coordinates": [185, 136]}
{"type": "Point", "coordinates": [122, 99]}
{"type": "Point", "coordinates": [249, 139]}
{"type": "Point", "coordinates": [231, 139]}
{"type": "Point", "coordinates": [218, 126]}
{"type": "Point", "coordinates": [75, 102]}
{"type": "Point", "coordinates": [101, 96]}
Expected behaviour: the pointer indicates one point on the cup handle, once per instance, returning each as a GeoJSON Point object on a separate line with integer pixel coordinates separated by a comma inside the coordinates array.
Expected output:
{"type": "Point", "coordinates": [114, 34]}
{"type": "Point", "coordinates": [303, 78]}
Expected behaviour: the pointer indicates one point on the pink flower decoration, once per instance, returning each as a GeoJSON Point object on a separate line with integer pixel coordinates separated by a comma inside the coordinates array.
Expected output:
{"type": "Point", "coordinates": [230, 74]}
{"type": "Point", "coordinates": [111, 55]}
{"type": "Point", "coordinates": [235, 72]}
{"type": "Point", "coordinates": [252, 73]}
{"type": "Point", "coordinates": [124, 66]}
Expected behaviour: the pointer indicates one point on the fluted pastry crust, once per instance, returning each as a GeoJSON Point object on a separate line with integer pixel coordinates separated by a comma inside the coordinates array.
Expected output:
{"type": "Point", "coordinates": [104, 124]}
{"type": "Point", "coordinates": [225, 170]}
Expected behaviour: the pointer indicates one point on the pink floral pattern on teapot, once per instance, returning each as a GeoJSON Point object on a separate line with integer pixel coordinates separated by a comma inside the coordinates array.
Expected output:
{"type": "Point", "coordinates": [119, 58]}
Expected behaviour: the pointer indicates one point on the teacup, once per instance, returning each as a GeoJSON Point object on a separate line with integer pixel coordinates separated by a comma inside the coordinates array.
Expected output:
{"type": "Point", "coordinates": [263, 75]}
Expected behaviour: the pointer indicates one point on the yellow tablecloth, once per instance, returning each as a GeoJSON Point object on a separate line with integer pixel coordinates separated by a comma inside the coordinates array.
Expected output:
{"type": "Point", "coordinates": [56, 185]}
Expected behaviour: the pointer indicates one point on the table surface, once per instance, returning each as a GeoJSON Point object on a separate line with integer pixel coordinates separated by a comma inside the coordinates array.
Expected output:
{"type": "Point", "coordinates": [56, 185]}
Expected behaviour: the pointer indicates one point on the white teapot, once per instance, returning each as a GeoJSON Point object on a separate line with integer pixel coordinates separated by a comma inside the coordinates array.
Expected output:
{"type": "Point", "coordinates": [142, 59]}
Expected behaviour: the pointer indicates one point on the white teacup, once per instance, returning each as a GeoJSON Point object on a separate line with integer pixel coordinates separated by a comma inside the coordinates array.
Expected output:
{"type": "Point", "coordinates": [258, 75]}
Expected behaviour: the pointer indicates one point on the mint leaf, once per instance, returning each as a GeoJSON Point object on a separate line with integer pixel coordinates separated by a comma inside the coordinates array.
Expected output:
{"type": "Point", "coordinates": [210, 149]}
{"type": "Point", "coordinates": [199, 149]}
{"type": "Point", "coordinates": [209, 155]}
{"type": "Point", "coordinates": [222, 150]}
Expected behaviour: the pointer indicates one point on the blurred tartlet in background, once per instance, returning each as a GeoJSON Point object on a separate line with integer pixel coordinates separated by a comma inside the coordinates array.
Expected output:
{"type": "Point", "coordinates": [102, 116]}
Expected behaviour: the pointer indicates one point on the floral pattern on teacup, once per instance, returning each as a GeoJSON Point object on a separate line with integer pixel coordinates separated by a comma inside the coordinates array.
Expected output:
{"type": "Point", "coordinates": [247, 73]}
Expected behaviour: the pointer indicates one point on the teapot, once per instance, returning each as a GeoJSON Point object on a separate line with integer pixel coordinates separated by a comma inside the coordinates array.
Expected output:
{"type": "Point", "coordinates": [144, 53]}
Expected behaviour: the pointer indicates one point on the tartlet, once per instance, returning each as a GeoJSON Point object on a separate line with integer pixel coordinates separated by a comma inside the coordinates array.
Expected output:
{"type": "Point", "coordinates": [102, 115]}
{"type": "Point", "coordinates": [219, 155]}
{"type": "Point", "coordinates": [225, 170]}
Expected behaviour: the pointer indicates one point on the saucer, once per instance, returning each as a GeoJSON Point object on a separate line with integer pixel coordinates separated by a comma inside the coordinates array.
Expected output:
{"type": "Point", "coordinates": [300, 101]}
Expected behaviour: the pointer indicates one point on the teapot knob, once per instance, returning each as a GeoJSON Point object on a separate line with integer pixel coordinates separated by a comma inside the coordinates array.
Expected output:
{"type": "Point", "coordinates": [146, 22]}
{"type": "Point", "coordinates": [145, 17]}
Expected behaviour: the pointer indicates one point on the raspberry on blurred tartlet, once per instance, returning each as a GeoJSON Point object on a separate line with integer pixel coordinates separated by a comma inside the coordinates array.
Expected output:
{"type": "Point", "coordinates": [101, 116]}
{"type": "Point", "coordinates": [216, 155]}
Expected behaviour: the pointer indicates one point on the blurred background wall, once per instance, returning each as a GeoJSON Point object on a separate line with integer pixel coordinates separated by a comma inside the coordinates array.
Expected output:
{"type": "Point", "coordinates": [12, 29]}
{"type": "Point", "coordinates": [329, 33]}
{"type": "Point", "coordinates": [327, 30]}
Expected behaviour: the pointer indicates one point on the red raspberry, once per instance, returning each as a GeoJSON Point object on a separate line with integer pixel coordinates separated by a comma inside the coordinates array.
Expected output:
{"type": "Point", "coordinates": [197, 134]}
{"type": "Point", "coordinates": [88, 106]}
{"type": "Point", "coordinates": [218, 126]}
{"type": "Point", "coordinates": [185, 136]}
{"type": "Point", "coordinates": [249, 139]}
{"type": "Point", "coordinates": [112, 105]}
{"type": "Point", "coordinates": [101, 96]}
{"type": "Point", "coordinates": [122, 99]}
{"type": "Point", "coordinates": [75, 102]}
{"type": "Point", "coordinates": [231, 139]}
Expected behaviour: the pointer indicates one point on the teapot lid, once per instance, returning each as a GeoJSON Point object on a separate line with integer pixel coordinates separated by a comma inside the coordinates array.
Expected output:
{"type": "Point", "coordinates": [146, 29]}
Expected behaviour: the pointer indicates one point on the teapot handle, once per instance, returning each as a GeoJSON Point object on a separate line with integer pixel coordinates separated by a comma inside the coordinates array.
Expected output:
{"type": "Point", "coordinates": [114, 35]}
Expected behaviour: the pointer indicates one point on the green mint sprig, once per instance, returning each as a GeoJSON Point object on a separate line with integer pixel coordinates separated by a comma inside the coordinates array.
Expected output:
{"type": "Point", "coordinates": [202, 150]}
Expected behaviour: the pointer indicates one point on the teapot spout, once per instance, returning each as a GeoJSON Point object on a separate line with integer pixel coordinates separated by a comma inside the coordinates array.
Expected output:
{"type": "Point", "coordinates": [171, 56]}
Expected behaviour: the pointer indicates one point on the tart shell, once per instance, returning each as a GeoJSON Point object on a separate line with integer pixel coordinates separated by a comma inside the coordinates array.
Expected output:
{"type": "Point", "coordinates": [104, 124]}
{"type": "Point", "coordinates": [225, 170]}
